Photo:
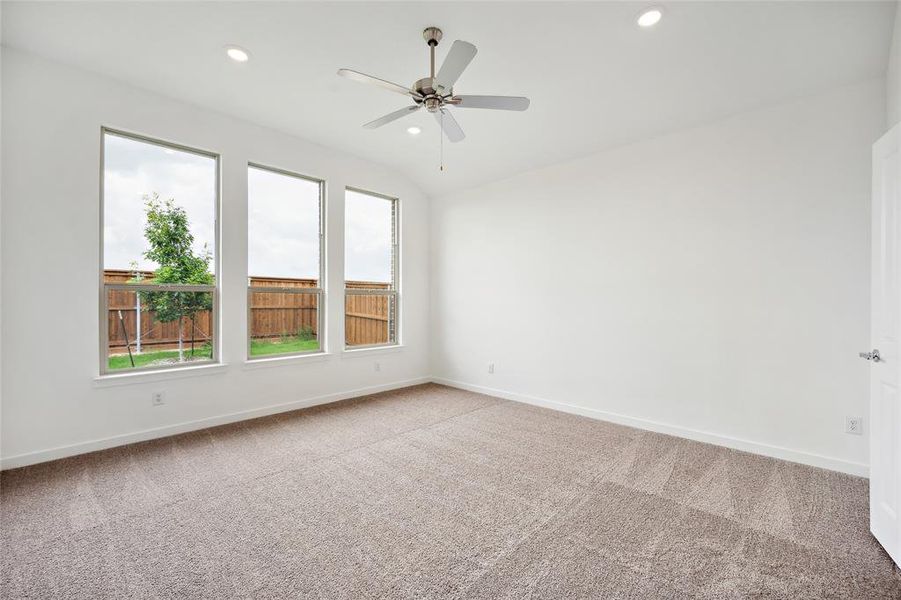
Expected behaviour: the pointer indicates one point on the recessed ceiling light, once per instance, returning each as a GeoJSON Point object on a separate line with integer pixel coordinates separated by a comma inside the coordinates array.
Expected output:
{"type": "Point", "coordinates": [414, 130]}
{"type": "Point", "coordinates": [650, 17]}
{"type": "Point", "coordinates": [237, 54]}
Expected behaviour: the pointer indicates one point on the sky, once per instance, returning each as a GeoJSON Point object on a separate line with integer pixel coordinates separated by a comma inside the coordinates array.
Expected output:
{"type": "Point", "coordinates": [367, 237]}
{"type": "Point", "coordinates": [283, 214]}
{"type": "Point", "coordinates": [283, 235]}
{"type": "Point", "coordinates": [134, 169]}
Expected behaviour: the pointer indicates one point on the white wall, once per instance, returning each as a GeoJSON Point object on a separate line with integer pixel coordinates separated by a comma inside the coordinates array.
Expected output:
{"type": "Point", "coordinates": [893, 74]}
{"type": "Point", "coordinates": [713, 282]}
{"type": "Point", "coordinates": [52, 406]}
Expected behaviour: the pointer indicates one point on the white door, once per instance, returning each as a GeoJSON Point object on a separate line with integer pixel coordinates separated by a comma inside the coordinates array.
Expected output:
{"type": "Point", "coordinates": [885, 369]}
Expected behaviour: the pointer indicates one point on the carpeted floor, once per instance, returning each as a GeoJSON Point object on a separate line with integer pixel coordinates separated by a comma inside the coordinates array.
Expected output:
{"type": "Point", "coordinates": [433, 492]}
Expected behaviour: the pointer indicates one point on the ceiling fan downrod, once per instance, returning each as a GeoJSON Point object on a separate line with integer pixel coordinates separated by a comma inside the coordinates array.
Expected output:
{"type": "Point", "coordinates": [432, 36]}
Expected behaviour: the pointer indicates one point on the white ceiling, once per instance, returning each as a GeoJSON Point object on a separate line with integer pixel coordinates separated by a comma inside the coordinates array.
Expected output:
{"type": "Point", "coordinates": [595, 79]}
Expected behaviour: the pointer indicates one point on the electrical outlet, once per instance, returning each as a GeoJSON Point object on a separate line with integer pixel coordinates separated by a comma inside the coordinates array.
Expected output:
{"type": "Point", "coordinates": [854, 425]}
{"type": "Point", "coordinates": [491, 368]}
{"type": "Point", "coordinates": [158, 398]}
{"type": "Point", "coordinates": [378, 366]}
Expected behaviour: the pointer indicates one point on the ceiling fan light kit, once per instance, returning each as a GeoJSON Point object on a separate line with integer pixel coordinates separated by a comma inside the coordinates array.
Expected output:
{"type": "Point", "coordinates": [436, 92]}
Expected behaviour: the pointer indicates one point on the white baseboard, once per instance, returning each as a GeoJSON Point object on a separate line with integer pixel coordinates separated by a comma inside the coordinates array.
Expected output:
{"type": "Point", "coordinates": [30, 458]}
{"type": "Point", "coordinates": [807, 458]}
{"type": "Point", "coordinates": [798, 456]}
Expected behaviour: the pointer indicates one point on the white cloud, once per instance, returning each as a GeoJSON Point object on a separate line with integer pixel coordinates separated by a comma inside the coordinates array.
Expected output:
{"type": "Point", "coordinates": [283, 236]}
{"type": "Point", "coordinates": [367, 243]}
{"type": "Point", "coordinates": [134, 169]}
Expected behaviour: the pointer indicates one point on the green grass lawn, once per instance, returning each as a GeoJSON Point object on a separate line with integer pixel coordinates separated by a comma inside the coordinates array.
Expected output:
{"type": "Point", "coordinates": [201, 353]}
{"type": "Point", "coordinates": [289, 346]}
{"type": "Point", "coordinates": [158, 358]}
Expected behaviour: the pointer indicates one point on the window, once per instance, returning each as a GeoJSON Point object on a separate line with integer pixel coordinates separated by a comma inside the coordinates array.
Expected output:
{"type": "Point", "coordinates": [285, 257]}
{"type": "Point", "coordinates": [370, 269]}
{"type": "Point", "coordinates": [159, 296]}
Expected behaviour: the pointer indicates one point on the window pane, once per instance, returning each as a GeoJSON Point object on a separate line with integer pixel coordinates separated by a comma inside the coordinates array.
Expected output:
{"type": "Point", "coordinates": [283, 229]}
{"type": "Point", "coordinates": [283, 323]}
{"type": "Point", "coordinates": [369, 319]}
{"type": "Point", "coordinates": [369, 228]}
{"type": "Point", "coordinates": [158, 329]}
{"type": "Point", "coordinates": [284, 246]}
{"type": "Point", "coordinates": [159, 227]}
{"type": "Point", "coordinates": [181, 184]}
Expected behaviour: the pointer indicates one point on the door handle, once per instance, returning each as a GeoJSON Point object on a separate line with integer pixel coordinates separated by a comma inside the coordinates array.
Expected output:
{"type": "Point", "coordinates": [873, 356]}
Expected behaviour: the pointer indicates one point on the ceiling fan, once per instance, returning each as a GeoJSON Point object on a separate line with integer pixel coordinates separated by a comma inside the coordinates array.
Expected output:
{"type": "Point", "coordinates": [436, 92]}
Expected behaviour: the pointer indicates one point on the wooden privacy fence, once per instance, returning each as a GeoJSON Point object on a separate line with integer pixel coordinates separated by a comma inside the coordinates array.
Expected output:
{"type": "Point", "coordinates": [279, 314]}
{"type": "Point", "coordinates": [367, 318]}
{"type": "Point", "coordinates": [155, 335]}
{"type": "Point", "coordinates": [273, 315]}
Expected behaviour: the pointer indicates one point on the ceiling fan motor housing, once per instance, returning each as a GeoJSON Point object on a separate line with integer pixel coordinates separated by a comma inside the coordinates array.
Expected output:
{"type": "Point", "coordinates": [432, 35]}
{"type": "Point", "coordinates": [432, 92]}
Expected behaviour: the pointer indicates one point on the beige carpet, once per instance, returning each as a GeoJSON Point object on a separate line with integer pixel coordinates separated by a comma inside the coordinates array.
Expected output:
{"type": "Point", "coordinates": [432, 492]}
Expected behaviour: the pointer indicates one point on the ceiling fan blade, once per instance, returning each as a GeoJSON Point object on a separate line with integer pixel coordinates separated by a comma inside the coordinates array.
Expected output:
{"type": "Point", "coordinates": [392, 116]}
{"type": "Point", "coordinates": [456, 61]}
{"type": "Point", "coordinates": [492, 102]}
{"type": "Point", "coordinates": [364, 78]}
{"type": "Point", "coordinates": [449, 124]}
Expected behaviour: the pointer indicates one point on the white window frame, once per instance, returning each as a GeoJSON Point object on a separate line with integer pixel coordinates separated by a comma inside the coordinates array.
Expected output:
{"type": "Point", "coordinates": [319, 291]}
{"type": "Point", "coordinates": [393, 290]}
{"type": "Point", "coordinates": [105, 288]}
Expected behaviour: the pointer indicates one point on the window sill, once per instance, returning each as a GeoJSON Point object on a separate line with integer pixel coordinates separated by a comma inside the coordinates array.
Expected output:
{"type": "Point", "coordinates": [376, 350]}
{"type": "Point", "coordinates": [279, 361]}
{"type": "Point", "coordinates": [159, 375]}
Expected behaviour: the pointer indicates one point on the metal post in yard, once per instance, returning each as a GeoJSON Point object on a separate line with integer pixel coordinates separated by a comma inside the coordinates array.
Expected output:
{"type": "Point", "coordinates": [138, 322]}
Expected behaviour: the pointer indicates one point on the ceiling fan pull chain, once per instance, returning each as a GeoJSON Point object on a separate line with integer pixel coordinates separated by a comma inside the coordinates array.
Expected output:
{"type": "Point", "coordinates": [441, 142]}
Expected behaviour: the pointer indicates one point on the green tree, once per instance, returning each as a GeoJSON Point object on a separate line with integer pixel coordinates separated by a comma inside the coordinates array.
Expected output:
{"type": "Point", "coordinates": [170, 241]}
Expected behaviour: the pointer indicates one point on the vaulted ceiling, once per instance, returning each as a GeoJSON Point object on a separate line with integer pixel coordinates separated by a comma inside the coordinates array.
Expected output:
{"type": "Point", "coordinates": [595, 79]}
